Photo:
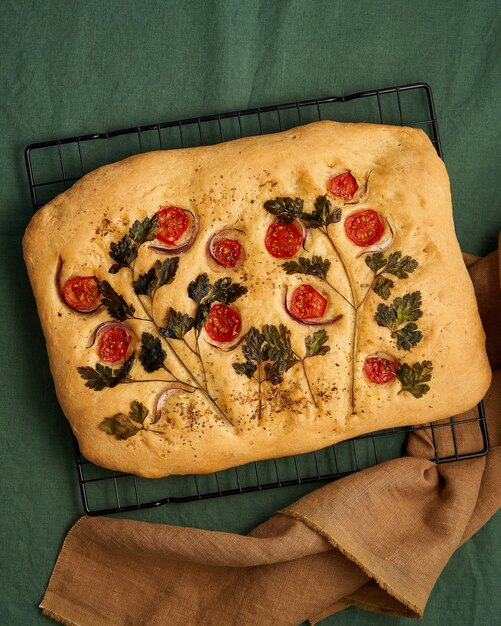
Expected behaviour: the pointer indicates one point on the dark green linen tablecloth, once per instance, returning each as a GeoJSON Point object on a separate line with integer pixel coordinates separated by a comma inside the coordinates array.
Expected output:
{"type": "Point", "coordinates": [78, 67]}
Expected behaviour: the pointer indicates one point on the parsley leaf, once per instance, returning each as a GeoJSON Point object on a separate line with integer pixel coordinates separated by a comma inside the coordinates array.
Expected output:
{"type": "Point", "coordinates": [102, 376]}
{"type": "Point", "coordinates": [401, 311]}
{"type": "Point", "coordinates": [152, 354]}
{"type": "Point", "coordinates": [120, 426]}
{"type": "Point", "coordinates": [138, 412]}
{"type": "Point", "coordinates": [255, 350]}
{"type": "Point", "coordinates": [199, 288]}
{"type": "Point", "coordinates": [253, 347]}
{"type": "Point", "coordinates": [280, 349]}
{"type": "Point", "coordinates": [125, 426]}
{"type": "Point", "coordinates": [322, 214]}
{"type": "Point", "coordinates": [202, 314]}
{"type": "Point", "coordinates": [247, 369]}
{"type": "Point", "coordinates": [413, 378]}
{"type": "Point", "coordinates": [287, 209]}
{"type": "Point", "coordinates": [383, 286]}
{"type": "Point", "coordinates": [167, 271]}
{"type": "Point", "coordinates": [157, 276]}
{"type": "Point", "coordinates": [145, 230]}
{"type": "Point", "coordinates": [375, 261]}
{"type": "Point", "coordinates": [400, 266]}
{"type": "Point", "coordinates": [315, 344]}
{"type": "Point", "coordinates": [123, 253]}
{"type": "Point", "coordinates": [177, 325]}
{"type": "Point", "coordinates": [408, 336]}
{"type": "Point", "coordinates": [115, 303]}
{"type": "Point", "coordinates": [146, 283]}
{"type": "Point", "coordinates": [316, 266]}
{"type": "Point", "coordinates": [274, 372]}
{"type": "Point", "coordinates": [395, 264]}
{"type": "Point", "coordinates": [227, 292]}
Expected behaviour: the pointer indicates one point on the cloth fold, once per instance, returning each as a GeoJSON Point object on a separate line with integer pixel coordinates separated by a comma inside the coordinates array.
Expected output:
{"type": "Point", "coordinates": [378, 539]}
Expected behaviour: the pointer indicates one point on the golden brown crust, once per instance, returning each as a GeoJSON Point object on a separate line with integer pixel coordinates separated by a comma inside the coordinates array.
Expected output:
{"type": "Point", "coordinates": [225, 186]}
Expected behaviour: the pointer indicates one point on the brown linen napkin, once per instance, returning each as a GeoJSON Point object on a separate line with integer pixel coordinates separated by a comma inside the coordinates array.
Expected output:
{"type": "Point", "coordinates": [377, 539]}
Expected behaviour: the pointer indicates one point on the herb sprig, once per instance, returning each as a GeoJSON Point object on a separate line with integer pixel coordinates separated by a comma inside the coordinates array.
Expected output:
{"type": "Point", "coordinates": [269, 355]}
{"type": "Point", "coordinates": [124, 426]}
{"type": "Point", "coordinates": [413, 377]}
{"type": "Point", "coordinates": [405, 310]}
{"type": "Point", "coordinates": [178, 324]}
{"type": "Point", "coordinates": [396, 265]}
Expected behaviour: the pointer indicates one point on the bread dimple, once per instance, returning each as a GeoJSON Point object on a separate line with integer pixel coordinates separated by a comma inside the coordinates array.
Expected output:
{"type": "Point", "coordinates": [225, 186]}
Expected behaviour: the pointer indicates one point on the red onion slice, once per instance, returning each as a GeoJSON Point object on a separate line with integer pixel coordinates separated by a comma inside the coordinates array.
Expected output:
{"type": "Point", "coordinates": [185, 241]}
{"type": "Point", "coordinates": [309, 322]}
{"type": "Point", "coordinates": [104, 326]}
{"type": "Point", "coordinates": [362, 192]}
{"type": "Point", "coordinates": [234, 234]}
{"type": "Point", "coordinates": [168, 389]}
{"type": "Point", "coordinates": [381, 245]}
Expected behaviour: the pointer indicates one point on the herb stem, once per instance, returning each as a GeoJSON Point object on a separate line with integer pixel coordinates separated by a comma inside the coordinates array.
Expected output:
{"type": "Point", "coordinates": [197, 385]}
{"type": "Point", "coordinates": [308, 383]}
{"type": "Point", "coordinates": [354, 332]}
{"type": "Point", "coordinates": [373, 282]}
{"type": "Point", "coordinates": [259, 394]}
{"type": "Point", "coordinates": [339, 293]}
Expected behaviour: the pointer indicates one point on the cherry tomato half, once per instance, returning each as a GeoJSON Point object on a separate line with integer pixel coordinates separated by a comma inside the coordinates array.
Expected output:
{"type": "Point", "coordinates": [227, 252]}
{"type": "Point", "coordinates": [82, 292]}
{"type": "Point", "coordinates": [223, 323]}
{"type": "Point", "coordinates": [113, 344]}
{"type": "Point", "coordinates": [307, 303]}
{"type": "Point", "coordinates": [173, 222]}
{"type": "Point", "coordinates": [283, 240]}
{"type": "Point", "coordinates": [364, 227]}
{"type": "Point", "coordinates": [380, 370]}
{"type": "Point", "coordinates": [343, 186]}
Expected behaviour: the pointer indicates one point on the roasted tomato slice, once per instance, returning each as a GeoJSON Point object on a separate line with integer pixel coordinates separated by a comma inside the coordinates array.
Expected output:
{"type": "Point", "coordinates": [82, 293]}
{"type": "Point", "coordinates": [173, 222]}
{"type": "Point", "coordinates": [227, 252]}
{"type": "Point", "coordinates": [343, 186]}
{"type": "Point", "coordinates": [380, 370]}
{"type": "Point", "coordinates": [283, 240]}
{"type": "Point", "coordinates": [113, 344]}
{"type": "Point", "coordinates": [307, 303]}
{"type": "Point", "coordinates": [364, 227]}
{"type": "Point", "coordinates": [223, 323]}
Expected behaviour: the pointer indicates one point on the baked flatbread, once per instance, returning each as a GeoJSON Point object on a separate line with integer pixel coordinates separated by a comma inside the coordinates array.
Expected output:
{"type": "Point", "coordinates": [269, 296]}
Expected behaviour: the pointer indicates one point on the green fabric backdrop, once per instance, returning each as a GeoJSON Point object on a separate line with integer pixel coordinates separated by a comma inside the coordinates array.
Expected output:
{"type": "Point", "coordinates": [77, 67]}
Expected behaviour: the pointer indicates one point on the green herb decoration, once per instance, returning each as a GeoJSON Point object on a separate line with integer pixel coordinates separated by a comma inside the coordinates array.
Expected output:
{"type": "Point", "coordinates": [116, 305]}
{"type": "Point", "coordinates": [177, 325]}
{"type": "Point", "coordinates": [157, 276]}
{"type": "Point", "coordinates": [102, 376]}
{"type": "Point", "coordinates": [125, 251]}
{"type": "Point", "coordinates": [405, 310]}
{"type": "Point", "coordinates": [152, 355]}
{"type": "Point", "coordinates": [316, 266]}
{"type": "Point", "coordinates": [124, 426]}
{"type": "Point", "coordinates": [413, 377]}
{"type": "Point", "coordinates": [288, 210]}
{"type": "Point", "coordinates": [396, 265]}
{"type": "Point", "coordinates": [204, 294]}
{"type": "Point", "coordinates": [269, 354]}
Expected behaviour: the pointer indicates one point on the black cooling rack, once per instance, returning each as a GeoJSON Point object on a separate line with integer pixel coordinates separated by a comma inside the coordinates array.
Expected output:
{"type": "Point", "coordinates": [54, 166]}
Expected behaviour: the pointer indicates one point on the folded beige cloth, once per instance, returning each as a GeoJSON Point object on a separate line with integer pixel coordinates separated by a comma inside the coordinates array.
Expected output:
{"type": "Point", "coordinates": [377, 539]}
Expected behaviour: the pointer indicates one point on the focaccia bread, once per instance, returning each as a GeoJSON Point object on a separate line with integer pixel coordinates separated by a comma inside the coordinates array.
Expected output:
{"type": "Point", "coordinates": [269, 296]}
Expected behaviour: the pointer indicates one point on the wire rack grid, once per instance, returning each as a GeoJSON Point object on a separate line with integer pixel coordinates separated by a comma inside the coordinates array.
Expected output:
{"type": "Point", "coordinates": [53, 166]}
